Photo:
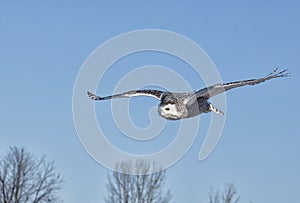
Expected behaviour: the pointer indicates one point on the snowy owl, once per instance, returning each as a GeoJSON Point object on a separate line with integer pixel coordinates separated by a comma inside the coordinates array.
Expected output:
{"type": "Point", "coordinates": [174, 106]}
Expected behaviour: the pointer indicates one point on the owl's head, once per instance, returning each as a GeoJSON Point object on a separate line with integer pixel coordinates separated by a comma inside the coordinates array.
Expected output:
{"type": "Point", "coordinates": [168, 108]}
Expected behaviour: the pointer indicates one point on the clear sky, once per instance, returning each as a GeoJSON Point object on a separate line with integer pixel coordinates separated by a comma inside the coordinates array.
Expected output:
{"type": "Point", "coordinates": [44, 43]}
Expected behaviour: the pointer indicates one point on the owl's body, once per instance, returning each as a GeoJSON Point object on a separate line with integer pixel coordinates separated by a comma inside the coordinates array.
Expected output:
{"type": "Point", "coordinates": [174, 106]}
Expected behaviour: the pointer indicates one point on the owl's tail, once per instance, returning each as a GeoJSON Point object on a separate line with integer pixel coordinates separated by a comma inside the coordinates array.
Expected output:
{"type": "Point", "coordinates": [215, 110]}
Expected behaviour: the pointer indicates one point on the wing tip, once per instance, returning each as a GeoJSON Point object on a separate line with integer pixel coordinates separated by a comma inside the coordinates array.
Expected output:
{"type": "Point", "coordinates": [92, 96]}
{"type": "Point", "coordinates": [283, 73]}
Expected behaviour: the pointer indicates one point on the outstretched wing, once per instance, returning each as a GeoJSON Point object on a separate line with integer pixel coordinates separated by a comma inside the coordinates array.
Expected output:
{"type": "Point", "coordinates": [150, 93]}
{"type": "Point", "coordinates": [220, 88]}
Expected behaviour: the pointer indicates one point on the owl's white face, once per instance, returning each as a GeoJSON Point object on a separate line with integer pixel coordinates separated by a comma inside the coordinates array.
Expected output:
{"type": "Point", "coordinates": [169, 111]}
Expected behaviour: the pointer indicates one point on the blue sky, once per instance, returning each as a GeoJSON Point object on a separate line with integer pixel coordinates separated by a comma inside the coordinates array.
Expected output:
{"type": "Point", "coordinates": [44, 44]}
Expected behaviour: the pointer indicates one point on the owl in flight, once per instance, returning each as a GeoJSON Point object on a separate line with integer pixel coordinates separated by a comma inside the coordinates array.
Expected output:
{"type": "Point", "coordinates": [175, 106]}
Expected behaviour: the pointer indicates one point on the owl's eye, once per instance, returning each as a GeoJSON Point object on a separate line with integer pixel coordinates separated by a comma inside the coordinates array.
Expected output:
{"type": "Point", "coordinates": [167, 109]}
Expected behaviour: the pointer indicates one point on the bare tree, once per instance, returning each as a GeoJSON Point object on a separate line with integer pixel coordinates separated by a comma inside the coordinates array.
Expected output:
{"type": "Point", "coordinates": [24, 178]}
{"type": "Point", "coordinates": [228, 196]}
{"type": "Point", "coordinates": [144, 188]}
